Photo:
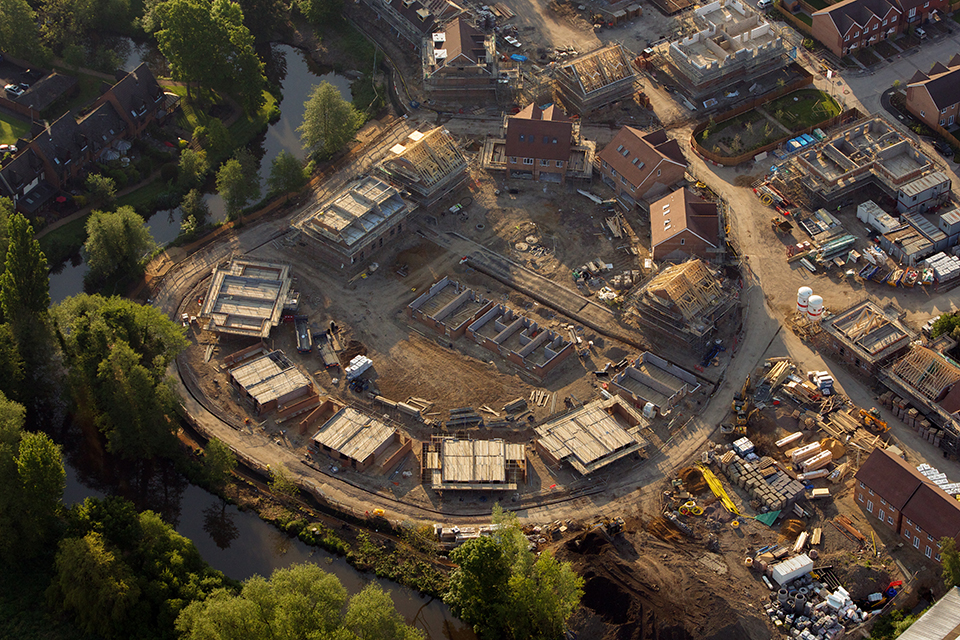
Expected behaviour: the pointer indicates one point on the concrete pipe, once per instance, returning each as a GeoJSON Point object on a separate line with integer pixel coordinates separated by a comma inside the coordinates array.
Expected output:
{"type": "Point", "coordinates": [799, 601]}
{"type": "Point", "coordinates": [782, 595]}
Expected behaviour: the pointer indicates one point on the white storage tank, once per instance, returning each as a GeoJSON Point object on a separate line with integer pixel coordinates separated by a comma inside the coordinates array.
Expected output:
{"type": "Point", "coordinates": [814, 308]}
{"type": "Point", "coordinates": [803, 295]}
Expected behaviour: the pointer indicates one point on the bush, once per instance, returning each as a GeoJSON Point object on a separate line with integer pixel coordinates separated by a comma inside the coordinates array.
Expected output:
{"type": "Point", "coordinates": [168, 172]}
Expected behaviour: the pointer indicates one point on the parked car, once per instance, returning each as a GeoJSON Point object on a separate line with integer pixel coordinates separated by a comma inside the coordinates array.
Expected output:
{"type": "Point", "coordinates": [24, 86]}
{"type": "Point", "coordinates": [928, 327]}
{"type": "Point", "coordinates": [921, 34]}
{"type": "Point", "coordinates": [943, 148]}
{"type": "Point", "coordinates": [764, 4]}
{"type": "Point", "coordinates": [13, 90]}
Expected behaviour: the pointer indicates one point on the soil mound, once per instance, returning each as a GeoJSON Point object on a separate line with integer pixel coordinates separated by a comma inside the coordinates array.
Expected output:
{"type": "Point", "coordinates": [354, 348]}
{"type": "Point", "coordinates": [693, 480]}
{"type": "Point", "coordinates": [606, 599]}
{"type": "Point", "coordinates": [590, 543]}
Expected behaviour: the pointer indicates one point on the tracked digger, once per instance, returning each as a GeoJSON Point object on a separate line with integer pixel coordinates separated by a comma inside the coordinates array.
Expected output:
{"type": "Point", "coordinates": [741, 408]}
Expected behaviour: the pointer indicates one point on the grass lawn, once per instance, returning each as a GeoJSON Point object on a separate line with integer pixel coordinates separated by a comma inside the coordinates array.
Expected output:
{"type": "Point", "coordinates": [61, 243]}
{"type": "Point", "coordinates": [12, 129]}
{"type": "Point", "coordinates": [802, 109]}
{"type": "Point", "coordinates": [956, 17]}
{"type": "Point", "coordinates": [804, 17]}
{"type": "Point", "coordinates": [818, 4]}
{"type": "Point", "coordinates": [886, 49]}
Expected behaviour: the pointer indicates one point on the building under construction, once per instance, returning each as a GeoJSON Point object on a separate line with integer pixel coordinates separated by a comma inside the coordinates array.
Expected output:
{"type": "Point", "coordinates": [686, 304]}
{"type": "Point", "coordinates": [428, 164]}
{"type": "Point", "coordinates": [591, 436]}
{"type": "Point", "coordinates": [869, 151]}
{"type": "Point", "coordinates": [734, 44]}
{"type": "Point", "coordinates": [864, 337]}
{"type": "Point", "coordinates": [652, 381]}
{"type": "Point", "coordinates": [246, 298]}
{"type": "Point", "coordinates": [596, 79]}
{"type": "Point", "coordinates": [459, 464]}
{"type": "Point", "coordinates": [931, 382]}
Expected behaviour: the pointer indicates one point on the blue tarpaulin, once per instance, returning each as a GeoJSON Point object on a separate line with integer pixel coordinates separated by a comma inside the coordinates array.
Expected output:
{"type": "Point", "coordinates": [518, 57]}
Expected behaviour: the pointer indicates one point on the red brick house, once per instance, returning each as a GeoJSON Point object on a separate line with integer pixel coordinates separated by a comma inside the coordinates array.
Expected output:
{"type": "Point", "coordinates": [460, 60]}
{"type": "Point", "coordinates": [137, 98]}
{"type": "Point", "coordinates": [855, 24]}
{"type": "Point", "coordinates": [907, 502]}
{"type": "Point", "coordinates": [637, 164]}
{"type": "Point", "coordinates": [684, 226]}
{"type": "Point", "coordinates": [934, 97]}
{"type": "Point", "coordinates": [542, 144]}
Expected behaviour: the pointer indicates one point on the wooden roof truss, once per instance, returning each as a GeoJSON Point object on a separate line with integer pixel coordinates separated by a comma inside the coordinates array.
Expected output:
{"type": "Point", "coordinates": [927, 372]}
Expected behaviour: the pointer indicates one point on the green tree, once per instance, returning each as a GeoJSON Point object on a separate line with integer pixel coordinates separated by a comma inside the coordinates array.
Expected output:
{"type": "Point", "coordinates": [116, 243]}
{"type": "Point", "coordinates": [6, 212]}
{"type": "Point", "coordinates": [950, 559]}
{"type": "Point", "coordinates": [207, 45]}
{"type": "Point", "coordinates": [102, 189]}
{"type": "Point", "coordinates": [301, 601]}
{"type": "Point", "coordinates": [218, 462]}
{"type": "Point", "coordinates": [281, 483]}
{"type": "Point", "coordinates": [32, 476]}
{"type": "Point", "coordinates": [477, 593]}
{"type": "Point", "coordinates": [320, 12]}
{"type": "Point", "coordinates": [25, 283]}
{"type": "Point", "coordinates": [945, 324]}
{"type": "Point", "coordinates": [504, 591]}
{"type": "Point", "coordinates": [287, 174]}
{"type": "Point", "coordinates": [329, 121]}
{"type": "Point", "coordinates": [137, 406]}
{"type": "Point", "coordinates": [19, 33]}
{"type": "Point", "coordinates": [11, 364]}
{"type": "Point", "coordinates": [213, 136]}
{"type": "Point", "coordinates": [193, 166]}
{"type": "Point", "coordinates": [193, 213]}
{"type": "Point", "coordinates": [94, 584]}
{"type": "Point", "coordinates": [238, 184]}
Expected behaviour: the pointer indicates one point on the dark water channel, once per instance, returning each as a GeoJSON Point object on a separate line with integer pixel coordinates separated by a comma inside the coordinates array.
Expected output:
{"type": "Point", "coordinates": [285, 66]}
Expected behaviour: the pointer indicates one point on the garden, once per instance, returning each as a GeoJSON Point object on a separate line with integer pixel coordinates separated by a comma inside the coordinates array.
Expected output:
{"type": "Point", "coordinates": [769, 122]}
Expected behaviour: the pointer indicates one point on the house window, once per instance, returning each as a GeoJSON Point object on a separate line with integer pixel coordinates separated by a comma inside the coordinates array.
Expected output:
{"type": "Point", "coordinates": [544, 163]}
{"type": "Point", "coordinates": [554, 141]}
{"type": "Point", "coordinates": [846, 38]}
{"type": "Point", "coordinates": [916, 543]}
{"type": "Point", "coordinates": [683, 241]}
{"type": "Point", "coordinates": [884, 23]}
{"type": "Point", "coordinates": [913, 12]}
{"type": "Point", "coordinates": [942, 122]}
{"type": "Point", "coordinates": [928, 552]}
{"type": "Point", "coordinates": [546, 139]}
{"type": "Point", "coordinates": [890, 520]}
{"type": "Point", "coordinates": [658, 173]}
{"type": "Point", "coordinates": [871, 491]}
{"type": "Point", "coordinates": [605, 165]}
{"type": "Point", "coordinates": [528, 161]}
{"type": "Point", "coordinates": [926, 4]}
{"type": "Point", "coordinates": [522, 138]}
{"type": "Point", "coordinates": [906, 534]}
{"type": "Point", "coordinates": [861, 486]}
{"type": "Point", "coordinates": [883, 502]}
{"type": "Point", "coordinates": [613, 172]}
{"type": "Point", "coordinates": [856, 35]}
{"type": "Point", "coordinates": [860, 496]}
{"type": "Point", "coordinates": [559, 164]}
{"type": "Point", "coordinates": [513, 159]}
{"type": "Point", "coordinates": [881, 515]}
{"type": "Point", "coordinates": [923, 113]}
{"type": "Point", "coordinates": [944, 110]}
{"type": "Point", "coordinates": [870, 506]}
{"type": "Point", "coordinates": [937, 557]}
{"type": "Point", "coordinates": [623, 180]}
{"type": "Point", "coordinates": [909, 523]}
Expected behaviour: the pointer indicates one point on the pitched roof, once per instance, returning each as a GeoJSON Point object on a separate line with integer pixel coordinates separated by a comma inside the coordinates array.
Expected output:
{"type": "Point", "coordinates": [19, 171]}
{"type": "Point", "coordinates": [940, 621]}
{"type": "Point", "coordinates": [849, 13]}
{"type": "Point", "coordinates": [891, 477]}
{"type": "Point", "coordinates": [60, 142]}
{"type": "Point", "coordinates": [954, 61]}
{"type": "Point", "coordinates": [540, 133]}
{"type": "Point", "coordinates": [919, 76]}
{"type": "Point", "coordinates": [137, 90]}
{"type": "Point", "coordinates": [681, 210]}
{"type": "Point", "coordinates": [463, 39]}
{"type": "Point", "coordinates": [935, 512]}
{"type": "Point", "coordinates": [635, 155]}
{"type": "Point", "coordinates": [942, 83]}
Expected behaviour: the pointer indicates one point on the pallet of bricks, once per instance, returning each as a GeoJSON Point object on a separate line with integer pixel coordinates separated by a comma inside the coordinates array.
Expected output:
{"type": "Point", "coordinates": [911, 417]}
{"type": "Point", "coordinates": [762, 479]}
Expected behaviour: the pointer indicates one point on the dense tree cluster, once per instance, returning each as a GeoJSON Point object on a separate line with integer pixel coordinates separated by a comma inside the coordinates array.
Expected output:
{"type": "Point", "coordinates": [117, 243]}
{"type": "Point", "coordinates": [300, 602]}
{"type": "Point", "coordinates": [505, 592]}
{"type": "Point", "coordinates": [118, 352]}
{"type": "Point", "coordinates": [209, 47]}
{"type": "Point", "coordinates": [329, 121]}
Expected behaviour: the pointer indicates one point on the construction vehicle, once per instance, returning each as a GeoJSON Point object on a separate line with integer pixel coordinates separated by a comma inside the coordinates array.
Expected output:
{"type": "Point", "coordinates": [741, 406]}
{"type": "Point", "coordinates": [780, 224]}
{"type": "Point", "coordinates": [613, 526]}
{"type": "Point", "coordinates": [871, 420]}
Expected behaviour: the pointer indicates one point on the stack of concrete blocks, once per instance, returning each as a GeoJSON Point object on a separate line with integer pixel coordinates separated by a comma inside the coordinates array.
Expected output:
{"type": "Point", "coordinates": [776, 491]}
{"type": "Point", "coordinates": [911, 417]}
{"type": "Point", "coordinates": [805, 609]}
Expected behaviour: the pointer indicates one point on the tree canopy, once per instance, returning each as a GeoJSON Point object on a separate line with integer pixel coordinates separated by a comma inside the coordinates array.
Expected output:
{"type": "Point", "coordinates": [503, 591]}
{"type": "Point", "coordinates": [287, 174]}
{"type": "Point", "coordinates": [193, 166]}
{"type": "Point", "coordinates": [19, 33]}
{"type": "Point", "coordinates": [116, 242]}
{"type": "Point", "coordinates": [329, 121]}
{"type": "Point", "coordinates": [102, 189]}
{"type": "Point", "coordinates": [208, 45]}
{"type": "Point", "coordinates": [218, 461]}
{"type": "Point", "coordinates": [124, 574]}
{"type": "Point", "coordinates": [118, 352]}
{"type": "Point", "coordinates": [25, 283]}
{"type": "Point", "coordinates": [302, 601]}
{"type": "Point", "coordinates": [32, 477]}
{"type": "Point", "coordinates": [238, 183]}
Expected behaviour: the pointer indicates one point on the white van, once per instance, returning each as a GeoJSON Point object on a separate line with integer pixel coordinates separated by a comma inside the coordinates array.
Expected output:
{"type": "Point", "coordinates": [764, 4]}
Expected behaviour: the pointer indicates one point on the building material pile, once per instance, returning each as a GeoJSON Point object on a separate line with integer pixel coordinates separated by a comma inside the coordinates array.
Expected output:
{"type": "Point", "coordinates": [945, 268]}
{"type": "Point", "coordinates": [763, 480]}
{"type": "Point", "coordinates": [808, 610]}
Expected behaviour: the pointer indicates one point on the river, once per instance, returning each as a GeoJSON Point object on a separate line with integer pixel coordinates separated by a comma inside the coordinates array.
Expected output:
{"type": "Point", "coordinates": [286, 66]}
{"type": "Point", "coordinates": [236, 542]}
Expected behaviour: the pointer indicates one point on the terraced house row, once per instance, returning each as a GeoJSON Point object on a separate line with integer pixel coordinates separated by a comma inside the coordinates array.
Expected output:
{"type": "Point", "coordinates": [856, 24]}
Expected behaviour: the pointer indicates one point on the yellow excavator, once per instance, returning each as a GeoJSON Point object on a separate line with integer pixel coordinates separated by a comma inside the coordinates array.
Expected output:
{"type": "Point", "coordinates": [741, 406]}
{"type": "Point", "coordinates": [871, 420]}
